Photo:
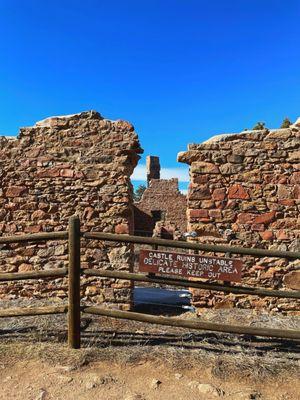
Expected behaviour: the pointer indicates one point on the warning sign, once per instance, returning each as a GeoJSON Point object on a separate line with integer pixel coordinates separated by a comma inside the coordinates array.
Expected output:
{"type": "Point", "coordinates": [190, 265]}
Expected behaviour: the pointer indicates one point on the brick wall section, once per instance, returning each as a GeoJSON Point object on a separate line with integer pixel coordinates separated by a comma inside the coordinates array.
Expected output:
{"type": "Point", "coordinates": [245, 190]}
{"type": "Point", "coordinates": [61, 166]}
{"type": "Point", "coordinates": [163, 195]}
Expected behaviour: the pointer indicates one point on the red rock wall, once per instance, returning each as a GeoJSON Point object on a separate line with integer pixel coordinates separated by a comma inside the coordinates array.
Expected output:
{"type": "Point", "coordinates": [61, 166]}
{"type": "Point", "coordinates": [245, 190]}
{"type": "Point", "coordinates": [162, 195]}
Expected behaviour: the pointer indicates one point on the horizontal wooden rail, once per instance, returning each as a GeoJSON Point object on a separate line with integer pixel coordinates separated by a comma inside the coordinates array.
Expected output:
{"type": "Point", "coordinates": [193, 246]}
{"type": "Point", "coordinates": [197, 285]}
{"type": "Point", "coordinates": [34, 237]}
{"type": "Point", "coordinates": [200, 325]}
{"type": "Point", "coordinates": [15, 276]}
{"type": "Point", "coordinates": [73, 309]}
{"type": "Point", "coordinates": [31, 311]}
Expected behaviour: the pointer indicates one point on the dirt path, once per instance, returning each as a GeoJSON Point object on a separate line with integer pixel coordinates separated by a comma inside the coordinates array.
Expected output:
{"type": "Point", "coordinates": [127, 360]}
{"type": "Point", "coordinates": [35, 380]}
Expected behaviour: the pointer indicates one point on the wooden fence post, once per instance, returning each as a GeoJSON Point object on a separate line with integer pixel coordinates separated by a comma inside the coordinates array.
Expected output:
{"type": "Point", "coordinates": [74, 283]}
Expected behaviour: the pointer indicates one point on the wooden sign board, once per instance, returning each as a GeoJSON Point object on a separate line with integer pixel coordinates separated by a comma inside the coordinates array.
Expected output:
{"type": "Point", "coordinates": [190, 265]}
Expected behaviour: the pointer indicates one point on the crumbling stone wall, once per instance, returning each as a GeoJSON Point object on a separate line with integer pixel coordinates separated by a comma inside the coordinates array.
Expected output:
{"type": "Point", "coordinates": [79, 164]}
{"type": "Point", "coordinates": [162, 203]}
{"type": "Point", "coordinates": [245, 190]}
{"type": "Point", "coordinates": [162, 195]}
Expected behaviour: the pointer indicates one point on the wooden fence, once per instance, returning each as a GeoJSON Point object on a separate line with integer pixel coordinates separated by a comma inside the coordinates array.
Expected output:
{"type": "Point", "coordinates": [74, 271]}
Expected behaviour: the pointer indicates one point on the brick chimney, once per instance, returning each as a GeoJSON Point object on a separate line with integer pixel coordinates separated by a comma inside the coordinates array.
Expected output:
{"type": "Point", "coordinates": [153, 168]}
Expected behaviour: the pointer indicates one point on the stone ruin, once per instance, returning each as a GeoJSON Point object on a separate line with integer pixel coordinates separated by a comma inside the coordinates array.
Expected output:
{"type": "Point", "coordinates": [245, 191]}
{"type": "Point", "coordinates": [77, 164]}
{"type": "Point", "coordinates": [162, 209]}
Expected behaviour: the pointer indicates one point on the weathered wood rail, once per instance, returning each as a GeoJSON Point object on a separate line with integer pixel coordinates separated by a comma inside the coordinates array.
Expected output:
{"type": "Point", "coordinates": [192, 246]}
{"type": "Point", "coordinates": [16, 276]}
{"type": "Point", "coordinates": [34, 237]}
{"type": "Point", "coordinates": [74, 271]}
{"type": "Point", "coordinates": [192, 284]}
{"type": "Point", "coordinates": [200, 325]}
{"type": "Point", "coordinates": [31, 311]}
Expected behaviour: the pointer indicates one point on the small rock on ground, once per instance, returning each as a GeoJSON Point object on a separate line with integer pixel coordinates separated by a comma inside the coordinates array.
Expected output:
{"type": "Point", "coordinates": [178, 376]}
{"type": "Point", "coordinates": [245, 395]}
{"type": "Point", "coordinates": [206, 388]}
{"type": "Point", "coordinates": [155, 383]}
{"type": "Point", "coordinates": [96, 380]}
{"type": "Point", "coordinates": [134, 396]}
{"type": "Point", "coordinates": [42, 395]}
{"type": "Point", "coordinates": [90, 385]}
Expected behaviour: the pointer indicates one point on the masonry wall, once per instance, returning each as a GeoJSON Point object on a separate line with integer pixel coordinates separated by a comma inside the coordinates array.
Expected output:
{"type": "Point", "coordinates": [161, 195]}
{"type": "Point", "coordinates": [245, 190]}
{"type": "Point", "coordinates": [79, 164]}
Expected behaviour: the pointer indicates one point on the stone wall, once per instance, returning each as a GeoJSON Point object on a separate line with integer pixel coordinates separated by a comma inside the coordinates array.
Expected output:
{"type": "Point", "coordinates": [245, 190]}
{"type": "Point", "coordinates": [79, 164]}
{"type": "Point", "coordinates": [161, 202]}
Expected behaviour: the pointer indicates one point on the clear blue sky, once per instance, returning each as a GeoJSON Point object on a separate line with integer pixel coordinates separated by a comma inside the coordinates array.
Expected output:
{"type": "Point", "coordinates": [179, 70]}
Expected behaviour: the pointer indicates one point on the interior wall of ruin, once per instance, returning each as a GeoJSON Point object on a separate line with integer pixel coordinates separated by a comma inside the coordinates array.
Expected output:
{"type": "Point", "coordinates": [163, 196]}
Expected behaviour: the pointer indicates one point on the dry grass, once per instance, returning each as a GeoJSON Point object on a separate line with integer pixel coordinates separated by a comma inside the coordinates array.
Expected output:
{"type": "Point", "coordinates": [223, 364]}
{"type": "Point", "coordinates": [131, 343]}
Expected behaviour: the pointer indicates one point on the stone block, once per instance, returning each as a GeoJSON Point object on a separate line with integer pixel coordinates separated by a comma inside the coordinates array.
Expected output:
{"type": "Point", "coordinates": [122, 229]}
{"type": "Point", "coordinates": [25, 267]}
{"type": "Point", "coordinates": [198, 213]}
{"type": "Point", "coordinates": [204, 168]}
{"type": "Point", "coordinates": [295, 178]}
{"type": "Point", "coordinates": [38, 214]}
{"type": "Point", "coordinates": [245, 218]}
{"type": "Point", "coordinates": [230, 169]}
{"type": "Point", "coordinates": [284, 191]}
{"type": "Point", "coordinates": [237, 191]}
{"type": "Point", "coordinates": [201, 193]}
{"type": "Point", "coordinates": [235, 158]}
{"type": "Point", "coordinates": [67, 173]}
{"type": "Point", "coordinates": [16, 191]}
{"type": "Point", "coordinates": [292, 280]}
{"type": "Point", "coordinates": [267, 235]}
{"type": "Point", "coordinates": [33, 228]}
{"type": "Point", "coordinates": [296, 192]}
{"type": "Point", "coordinates": [215, 214]}
{"type": "Point", "coordinates": [257, 227]}
{"type": "Point", "coordinates": [265, 218]}
{"type": "Point", "coordinates": [294, 156]}
{"type": "Point", "coordinates": [48, 173]}
{"type": "Point", "coordinates": [219, 194]}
